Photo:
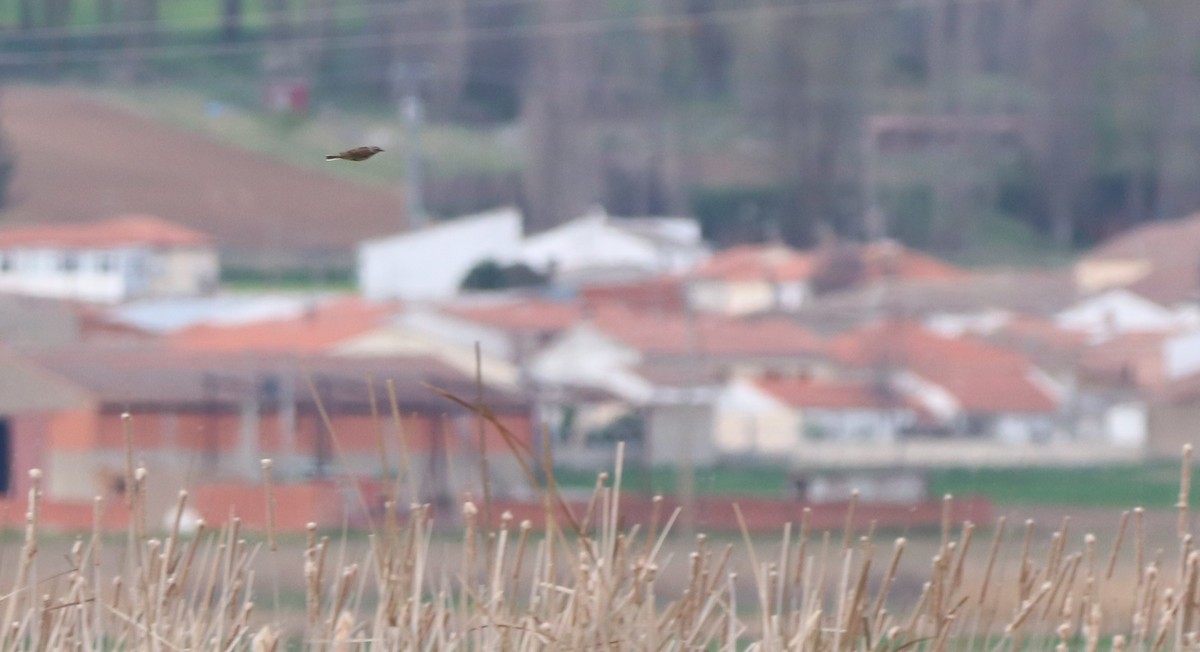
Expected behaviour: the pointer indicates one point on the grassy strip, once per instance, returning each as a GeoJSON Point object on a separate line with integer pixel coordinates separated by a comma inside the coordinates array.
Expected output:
{"type": "Point", "coordinates": [767, 482]}
{"type": "Point", "coordinates": [1152, 485]}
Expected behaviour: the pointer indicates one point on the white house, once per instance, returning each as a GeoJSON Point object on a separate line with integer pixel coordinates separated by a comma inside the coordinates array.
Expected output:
{"type": "Point", "coordinates": [1119, 311]}
{"type": "Point", "coordinates": [752, 278]}
{"type": "Point", "coordinates": [108, 261]}
{"type": "Point", "coordinates": [780, 416]}
{"type": "Point", "coordinates": [431, 262]}
{"type": "Point", "coordinates": [597, 247]}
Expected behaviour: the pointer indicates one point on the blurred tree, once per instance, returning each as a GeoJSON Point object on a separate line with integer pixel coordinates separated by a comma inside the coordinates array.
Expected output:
{"type": "Point", "coordinates": [25, 19]}
{"type": "Point", "coordinates": [1178, 68]}
{"type": "Point", "coordinates": [563, 175]}
{"type": "Point", "coordinates": [490, 275]}
{"type": "Point", "coordinates": [1065, 55]}
{"type": "Point", "coordinates": [231, 20]}
{"type": "Point", "coordinates": [58, 18]}
{"type": "Point", "coordinates": [494, 68]}
{"type": "Point", "coordinates": [446, 54]}
{"type": "Point", "coordinates": [803, 80]}
{"type": "Point", "coordinates": [318, 28]}
{"type": "Point", "coordinates": [8, 168]}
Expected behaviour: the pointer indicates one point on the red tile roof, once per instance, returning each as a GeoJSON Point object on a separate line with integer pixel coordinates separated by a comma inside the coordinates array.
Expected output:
{"type": "Point", "coordinates": [810, 393]}
{"type": "Point", "coordinates": [152, 375]}
{"type": "Point", "coordinates": [662, 293]}
{"type": "Point", "coordinates": [320, 330]}
{"type": "Point", "coordinates": [1129, 360]}
{"type": "Point", "coordinates": [780, 263]}
{"type": "Point", "coordinates": [668, 333]}
{"type": "Point", "coordinates": [892, 259]}
{"type": "Point", "coordinates": [758, 262]}
{"type": "Point", "coordinates": [119, 231]}
{"type": "Point", "coordinates": [1172, 250]}
{"type": "Point", "coordinates": [523, 315]}
{"type": "Point", "coordinates": [981, 377]}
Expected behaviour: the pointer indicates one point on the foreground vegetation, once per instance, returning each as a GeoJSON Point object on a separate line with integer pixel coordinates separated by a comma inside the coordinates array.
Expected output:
{"type": "Point", "coordinates": [592, 581]}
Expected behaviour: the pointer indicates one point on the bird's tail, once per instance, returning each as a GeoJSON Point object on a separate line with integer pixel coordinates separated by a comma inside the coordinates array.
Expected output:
{"type": "Point", "coordinates": [332, 157]}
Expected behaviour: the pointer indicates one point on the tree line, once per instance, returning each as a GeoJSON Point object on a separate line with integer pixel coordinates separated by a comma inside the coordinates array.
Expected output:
{"type": "Point", "coordinates": [919, 119]}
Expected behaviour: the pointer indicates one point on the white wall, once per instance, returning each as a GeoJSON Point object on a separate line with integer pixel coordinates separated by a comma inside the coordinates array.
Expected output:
{"type": "Point", "coordinates": [1181, 355]}
{"type": "Point", "coordinates": [598, 244]}
{"type": "Point", "coordinates": [748, 421]}
{"type": "Point", "coordinates": [40, 272]}
{"type": "Point", "coordinates": [745, 297]}
{"type": "Point", "coordinates": [1116, 312]}
{"type": "Point", "coordinates": [585, 357]}
{"type": "Point", "coordinates": [852, 425]}
{"type": "Point", "coordinates": [430, 263]}
{"type": "Point", "coordinates": [184, 272]}
{"type": "Point", "coordinates": [110, 275]}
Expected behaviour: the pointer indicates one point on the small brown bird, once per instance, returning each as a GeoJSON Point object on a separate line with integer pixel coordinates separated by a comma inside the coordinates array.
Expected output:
{"type": "Point", "coordinates": [356, 154]}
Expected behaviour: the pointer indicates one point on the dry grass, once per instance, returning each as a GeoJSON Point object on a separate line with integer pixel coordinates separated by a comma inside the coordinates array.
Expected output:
{"type": "Point", "coordinates": [591, 583]}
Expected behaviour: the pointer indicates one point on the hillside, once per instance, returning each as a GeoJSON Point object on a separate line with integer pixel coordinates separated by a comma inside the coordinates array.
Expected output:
{"type": "Point", "coordinates": [81, 159]}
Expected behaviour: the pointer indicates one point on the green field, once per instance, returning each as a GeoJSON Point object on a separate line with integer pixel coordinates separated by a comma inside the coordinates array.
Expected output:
{"type": "Point", "coordinates": [741, 481]}
{"type": "Point", "coordinates": [1151, 485]}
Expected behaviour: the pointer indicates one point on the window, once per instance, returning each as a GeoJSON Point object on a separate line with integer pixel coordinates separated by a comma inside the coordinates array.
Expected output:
{"type": "Point", "coordinates": [6, 262]}
{"type": "Point", "coordinates": [68, 262]}
{"type": "Point", "coordinates": [105, 261]}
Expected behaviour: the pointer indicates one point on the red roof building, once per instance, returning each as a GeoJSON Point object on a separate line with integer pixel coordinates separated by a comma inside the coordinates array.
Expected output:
{"type": "Point", "coordinates": [773, 277]}
{"type": "Point", "coordinates": [964, 375]}
{"type": "Point", "coordinates": [667, 334]}
{"type": "Point", "coordinates": [322, 329]}
{"type": "Point", "coordinates": [108, 261]}
{"type": "Point", "coordinates": [803, 392]}
{"type": "Point", "coordinates": [111, 233]}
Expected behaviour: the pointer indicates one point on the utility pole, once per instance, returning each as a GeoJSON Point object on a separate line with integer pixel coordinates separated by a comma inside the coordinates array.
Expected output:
{"type": "Point", "coordinates": [407, 79]}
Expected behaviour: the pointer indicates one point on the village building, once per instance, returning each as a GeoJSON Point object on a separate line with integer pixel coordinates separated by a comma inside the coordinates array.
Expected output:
{"type": "Point", "coordinates": [107, 261]}
{"type": "Point", "coordinates": [1118, 311]}
{"type": "Point", "coordinates": [431, 263]}
{"type": "Point", "coordinates": [658, 375]}
{"type": "Point", "coordinates": [773, 277]}
{"type": "Point", "coordinates": [203, 421]}
{"type": "Point", "coordinates": [598, 247]}
{"type": "Point", "coordinates": [1159, 261]}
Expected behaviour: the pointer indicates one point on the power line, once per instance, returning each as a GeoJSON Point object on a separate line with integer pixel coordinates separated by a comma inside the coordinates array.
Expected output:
{"type": "Point", "coordinates": [647, 23]}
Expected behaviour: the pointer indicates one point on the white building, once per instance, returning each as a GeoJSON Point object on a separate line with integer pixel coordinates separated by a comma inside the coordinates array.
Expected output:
{"type": "Point", "coordinates": [430, 263]}
{"type": "Point", "coordinates": [1117, 312]}
{"type": "Point", "coordinates": [597, 247]}
{"type": "Point", "coordinates": [107, 261]}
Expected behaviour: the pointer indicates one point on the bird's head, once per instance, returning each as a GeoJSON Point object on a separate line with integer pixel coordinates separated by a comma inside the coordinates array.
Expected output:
{"type": "Point", "coordinates": [376, 150]}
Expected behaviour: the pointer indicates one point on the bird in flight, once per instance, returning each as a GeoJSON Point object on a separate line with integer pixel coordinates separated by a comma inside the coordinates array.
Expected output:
{"type": "Point", "coordinates": [356, 154]}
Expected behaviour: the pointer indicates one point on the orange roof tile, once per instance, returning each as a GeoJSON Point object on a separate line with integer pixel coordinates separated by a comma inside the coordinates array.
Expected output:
{"type": "Point", "coordinates": [807, 392]}
{"type": "Point", "coordinates": [758, 263]}
{"type": "Point", "coordinates": [780, 263]}
{"type": "Point", "coordinates": [320, 330]}
{"type": "Point", "coordinates": [662, 293]}
{"type": "Point", "coordinates": [894, 260]}
{"type": "Point", "coordinates": [523, 315]}
{"type": "Point", "coordinates": [112, 232]}
{"type": "Point", "coordinates": [669, 333]}
{"type": "Point", "coordinates": [1132, 359]}
{"type": "Point", "coordinates": [982, 377]}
